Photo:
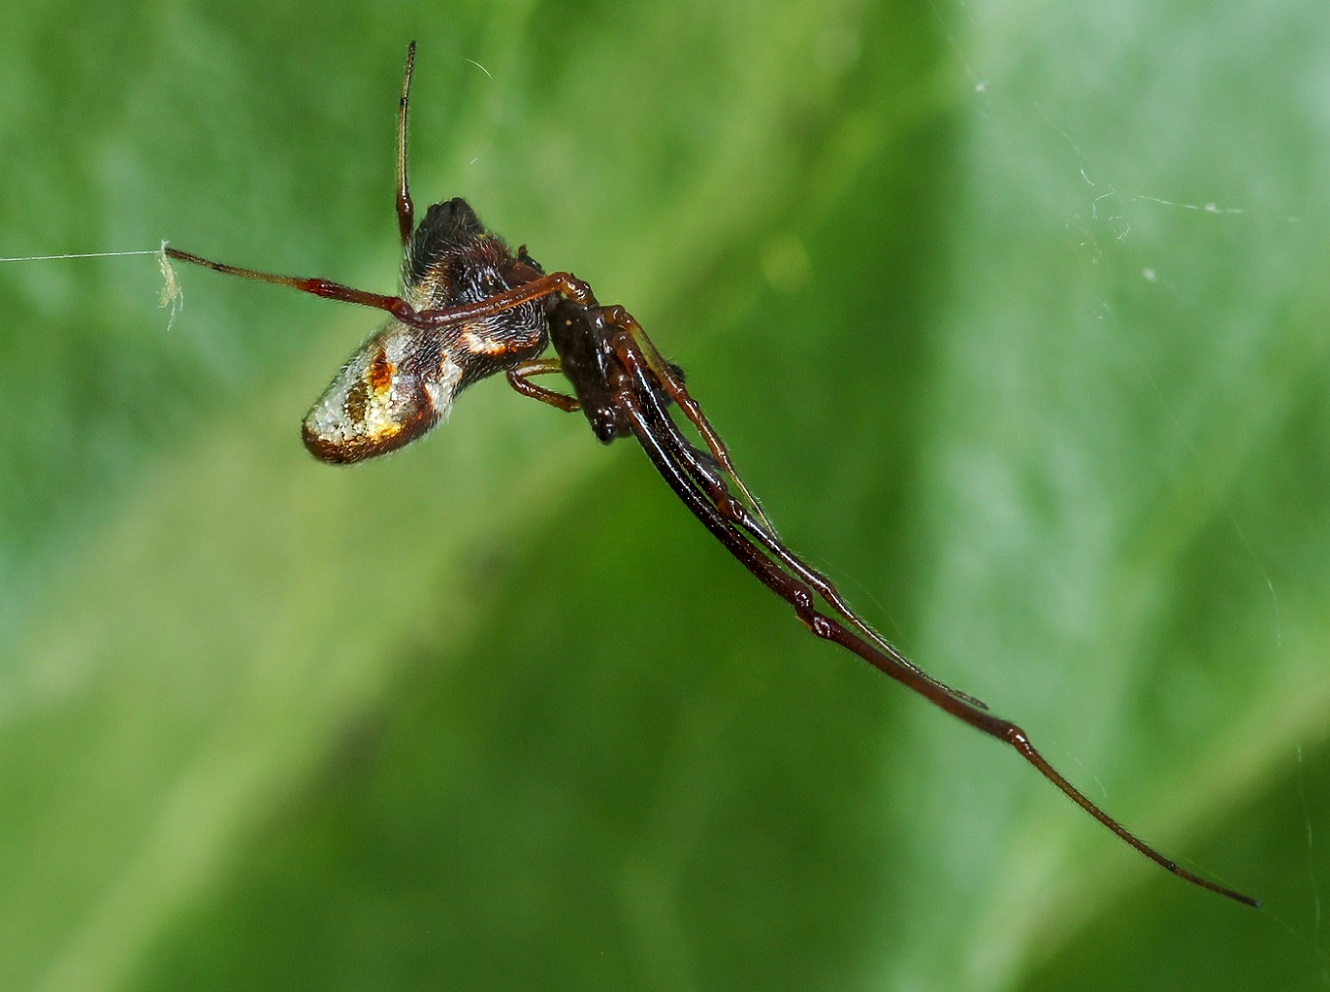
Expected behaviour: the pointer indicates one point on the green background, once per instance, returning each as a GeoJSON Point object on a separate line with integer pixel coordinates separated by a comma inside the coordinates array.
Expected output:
{"type": "Point", "coordinates": [1014, 314]}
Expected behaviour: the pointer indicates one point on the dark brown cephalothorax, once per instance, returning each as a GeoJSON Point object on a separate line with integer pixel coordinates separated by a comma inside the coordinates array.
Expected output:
{"type": "Point", "coordinates": [470, 308]}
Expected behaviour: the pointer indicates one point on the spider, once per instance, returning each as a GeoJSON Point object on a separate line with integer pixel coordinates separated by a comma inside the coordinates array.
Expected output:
{"type": "Point", "coordinates": [471, 308]}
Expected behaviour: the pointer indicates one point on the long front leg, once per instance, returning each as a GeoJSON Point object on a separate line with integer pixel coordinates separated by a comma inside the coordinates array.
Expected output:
{"type": "Point", "coordinates": [660, 439]}
{"type": "Point", "coordinates": [760, 529]}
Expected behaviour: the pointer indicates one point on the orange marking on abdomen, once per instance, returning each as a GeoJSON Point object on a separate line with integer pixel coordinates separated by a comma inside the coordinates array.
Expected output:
{"type": "Point", "coordinates": [381, 372]}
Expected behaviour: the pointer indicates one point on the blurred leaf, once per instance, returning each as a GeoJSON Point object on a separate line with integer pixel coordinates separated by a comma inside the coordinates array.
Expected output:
{"type": "Point", "coordinates": [1015, 317]}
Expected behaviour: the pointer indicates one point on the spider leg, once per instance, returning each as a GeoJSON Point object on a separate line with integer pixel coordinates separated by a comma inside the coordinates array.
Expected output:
{"type": "Point", "coordinates": [519, 377]}
{"type": "Point", "coordinates": [761, 530]}
{"type": "Point", "coordinates": [557, 283]}
{"type": "Point", "coordinates": [735, 511]}
{"type": "Point", "coordinates": [660, 438]}
{"type": "Point", "coordinates": [325, 288]}
{"type": "Point", "coordinates": [672, 382]}
{"type": "Point", "coordinates": [405, 208]}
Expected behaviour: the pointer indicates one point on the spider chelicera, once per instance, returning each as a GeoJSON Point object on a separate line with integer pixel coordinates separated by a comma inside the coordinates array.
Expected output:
{"type": "Point", "coordinates": [471, 308]}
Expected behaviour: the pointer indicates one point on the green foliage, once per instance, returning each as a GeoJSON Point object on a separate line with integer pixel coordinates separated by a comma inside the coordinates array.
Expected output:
{"type": "Point", "coordinates": [1016, 317]}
